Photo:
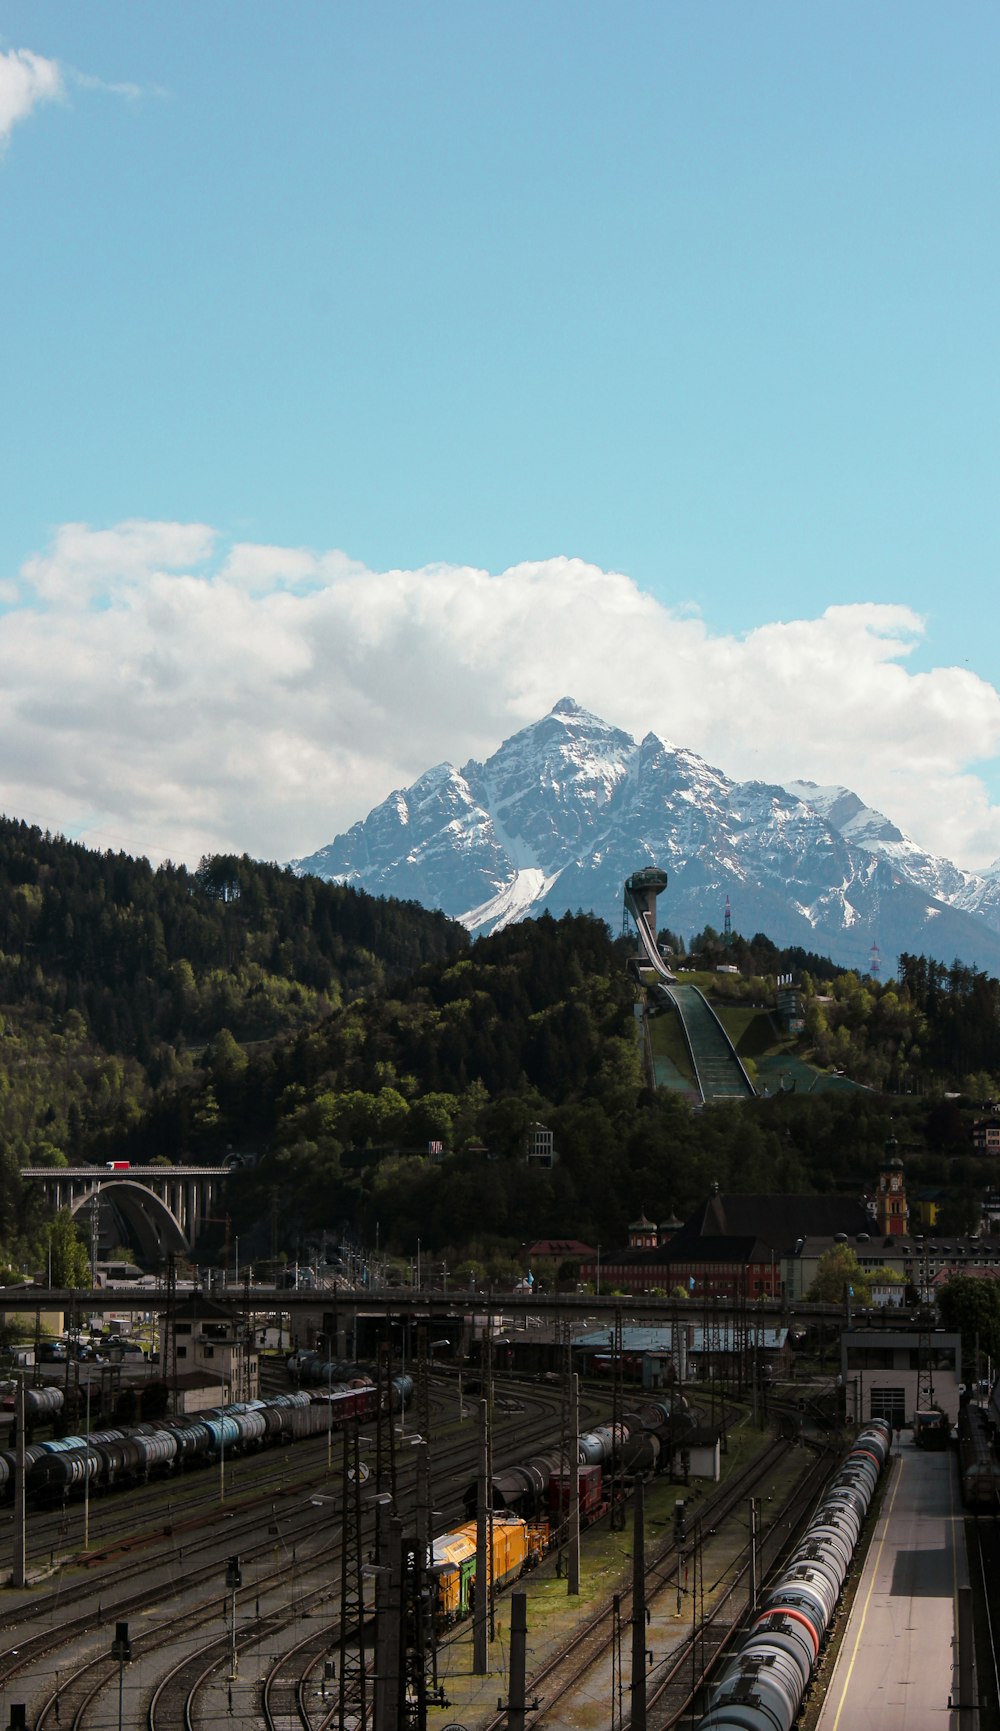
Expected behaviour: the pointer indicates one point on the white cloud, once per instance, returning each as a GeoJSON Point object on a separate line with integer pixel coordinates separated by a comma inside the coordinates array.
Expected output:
{"type": "Point", "coordinates": [164, 692]}
{"type": "Point", "coordinates": [84, 562]}
{"type": "Point", "coordinates": [26, 79]}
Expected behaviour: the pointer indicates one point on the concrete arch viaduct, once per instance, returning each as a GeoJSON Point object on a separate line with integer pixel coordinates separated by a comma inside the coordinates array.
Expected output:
{"type": "Point", "coordinates": [164, 1207]}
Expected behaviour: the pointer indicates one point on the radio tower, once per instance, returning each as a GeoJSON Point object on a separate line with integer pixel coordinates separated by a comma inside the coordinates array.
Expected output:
{"type": "Point", "coordinates": [875, 962]}
{"type": "Point", "coordinates": [727, 929]}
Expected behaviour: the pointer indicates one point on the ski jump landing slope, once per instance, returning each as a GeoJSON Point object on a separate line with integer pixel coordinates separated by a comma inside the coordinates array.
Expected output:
{"type": "Point", "coordinates": [718, 1070]}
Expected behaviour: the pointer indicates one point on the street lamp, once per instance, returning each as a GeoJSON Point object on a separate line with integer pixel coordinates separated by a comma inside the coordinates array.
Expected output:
{"type": "Point", "coordinates": [598, 1271]}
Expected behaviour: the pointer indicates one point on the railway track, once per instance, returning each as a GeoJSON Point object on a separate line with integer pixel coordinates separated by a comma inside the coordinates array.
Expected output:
{"type": "Point", "coordinates": [585, 1667]}
{"type": "Point", "coordinates": [982, 1537]}
{"type": "Point", "coordinates": [290, 1556]}
{"type": "Point", "coordinates": [672, 1693]}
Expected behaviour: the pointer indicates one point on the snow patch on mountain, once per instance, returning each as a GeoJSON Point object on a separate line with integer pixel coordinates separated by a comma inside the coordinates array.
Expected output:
{"type": "Point", "coordinates": [513, 903]}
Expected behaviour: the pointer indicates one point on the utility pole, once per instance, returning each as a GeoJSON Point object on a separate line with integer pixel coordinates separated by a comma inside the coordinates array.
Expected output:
{"type": "Point", "coordinates": [421, 1379]}
{"type": "Point", "coordinates": [518, 1661]}
{"type": "Point", "coordinates": [425, 1540]}
{"type": "Point", "coordinates": [925, 1343]}
{"type": "Point", "coordinates": [19, 1571]}
{"type": "Point", "coordinates": [573, 1480]}
{"type": "Point", "coordinates": [616, 1519]}
{"type": "Point", "coordinates": [481, 1610]}
{"type": "Point", "coordinates": [168, 1340]}
{"type": "Point", "coordinates": [415, 1621]}
{"type": "Point", "coordinates": [95, 1211]}
{"type": "Point", "coordinates": [638, 1715]}
{"type": "Point", "coordinates": [489, 1391]}
{"type": "Point", "coordinates": [617, 1686]}
{"type": "Point", "coordinates": [389, 1627]}
{"type": "Point", "coordinates": [352, 1702]}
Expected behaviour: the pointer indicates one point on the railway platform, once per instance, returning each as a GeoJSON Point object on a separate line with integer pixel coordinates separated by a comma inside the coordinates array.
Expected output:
{"type": "Point", "coordinates": [897, 1666]}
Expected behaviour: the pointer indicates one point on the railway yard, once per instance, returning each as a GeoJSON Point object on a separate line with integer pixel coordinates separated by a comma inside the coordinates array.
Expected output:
{"type": "Point", "coordinates": [216, 1592]}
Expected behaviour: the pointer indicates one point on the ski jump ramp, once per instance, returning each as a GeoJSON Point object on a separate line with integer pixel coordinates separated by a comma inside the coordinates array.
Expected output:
{"type": "Point", "coordinates": [717, 1068]}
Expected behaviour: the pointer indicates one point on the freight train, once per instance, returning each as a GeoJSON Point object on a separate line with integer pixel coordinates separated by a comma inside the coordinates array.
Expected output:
{"type": "Point", "coordinates": [648, 1440]}
{"type": "Point", "coordinates": [529, 1504]}
{"type": "Point", "coordinates": [312, 1371]}
{"type": "Point", "coordinates": [131, 1454]}
{"type": "Point", "coordinates": [761, 1684]}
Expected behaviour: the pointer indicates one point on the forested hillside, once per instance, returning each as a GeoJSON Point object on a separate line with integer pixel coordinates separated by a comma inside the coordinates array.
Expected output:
{"type": "Point", "coordinates": [114, 977]}
{"type": "Point", "coordinates": [383, 1072]}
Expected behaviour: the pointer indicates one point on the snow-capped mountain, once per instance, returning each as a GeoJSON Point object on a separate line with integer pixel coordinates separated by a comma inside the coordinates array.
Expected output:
{"type": "Point", "coordinates": [859, 824]}
{"type": "Point", "coordinates": [569, 807]}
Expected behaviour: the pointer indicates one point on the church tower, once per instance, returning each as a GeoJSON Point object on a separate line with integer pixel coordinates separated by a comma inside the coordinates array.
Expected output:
{"type": "Point", "coordinates": [891, 1211]}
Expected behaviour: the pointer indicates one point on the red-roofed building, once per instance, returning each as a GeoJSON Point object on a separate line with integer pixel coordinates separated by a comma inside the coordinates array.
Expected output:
{"type": "Point", "coordinates": [547, 1255]}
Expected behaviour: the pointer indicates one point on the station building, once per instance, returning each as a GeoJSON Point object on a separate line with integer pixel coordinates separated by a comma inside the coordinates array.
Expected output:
{"type": "Point", "coordinates": [208, 1350]}
{"type": "Point", "coordinates": [881, 1372]}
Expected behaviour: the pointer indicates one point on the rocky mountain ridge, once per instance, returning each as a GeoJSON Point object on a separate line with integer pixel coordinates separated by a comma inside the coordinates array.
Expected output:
{"type": "Point", "coordinates": [567, 808]}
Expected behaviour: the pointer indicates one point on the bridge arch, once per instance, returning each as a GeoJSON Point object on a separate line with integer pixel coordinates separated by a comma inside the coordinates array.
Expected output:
{"type": "Point", "coordinates": [154, 1228]}
{"type": "Point", "coordinates": [163, 1206]}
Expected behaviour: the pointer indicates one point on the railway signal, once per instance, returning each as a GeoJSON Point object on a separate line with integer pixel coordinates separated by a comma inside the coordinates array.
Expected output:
{"type": "Point", "coordinates": [121, 1649]}
{"type": "Point", "coordinates": [234, 1579]}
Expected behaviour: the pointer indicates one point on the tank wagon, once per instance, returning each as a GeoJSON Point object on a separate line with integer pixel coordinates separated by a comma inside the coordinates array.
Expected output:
{"type": "Point", "coordinates": [643, 1443]}
{"type": "Point", "coordinates": [42, 1405]}
{"type": "Point", "coordinates": [761, 1685]}
{"type": "Point", "coordinates": [312, 1371]}
{"type": "Point", "coordinates": [131, 1455]}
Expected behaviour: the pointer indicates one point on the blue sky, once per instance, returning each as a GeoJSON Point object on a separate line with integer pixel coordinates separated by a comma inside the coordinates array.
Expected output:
{"type": "Point", "coordinates": [702, 296]}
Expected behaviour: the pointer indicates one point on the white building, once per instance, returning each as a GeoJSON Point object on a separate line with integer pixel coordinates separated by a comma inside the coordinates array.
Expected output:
{"type": "Point", "coordinates": [210, 1341]}
{"type": "Point", "coordinates": [881, 1369]}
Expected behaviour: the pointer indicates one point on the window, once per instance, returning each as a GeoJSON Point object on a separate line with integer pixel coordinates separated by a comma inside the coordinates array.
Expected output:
{"type": "Point", "coordinates": [870, 1358]}
{"type": "Point", "coordinates": [182, 1352]}
{"type": "Point", "coordinates": [937, 1358]}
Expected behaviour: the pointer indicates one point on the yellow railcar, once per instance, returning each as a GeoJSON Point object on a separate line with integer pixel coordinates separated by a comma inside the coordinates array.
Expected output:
{"type": "Point", "coordinates": [516, 1546]}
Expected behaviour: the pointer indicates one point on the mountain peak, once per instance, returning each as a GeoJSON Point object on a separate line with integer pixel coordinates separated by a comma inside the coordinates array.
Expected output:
{"type": "Point", "coordinates": [569, 806]}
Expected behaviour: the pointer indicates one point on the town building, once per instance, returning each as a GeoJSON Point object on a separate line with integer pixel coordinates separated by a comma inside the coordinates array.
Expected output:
{"type": "Point", "coordinates": [882, 1371]}
{"type": "Point", "coordinates": [733, 1247]}
{"type": "Point", "coordinates": [207, 1346]}
{"type": "Point", "coordinates": [539, 1147]}
{"type": "Point", "coordinates": [547, 1255]}
{"type": "Point", "coordinates": [986, 1135]}
{"type": "Point", "coordinates": [892, 1215]}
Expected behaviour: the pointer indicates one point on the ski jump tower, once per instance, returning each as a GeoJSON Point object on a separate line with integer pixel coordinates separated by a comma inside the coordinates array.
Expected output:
{"type": "Point", "coordinates": [641, 891]}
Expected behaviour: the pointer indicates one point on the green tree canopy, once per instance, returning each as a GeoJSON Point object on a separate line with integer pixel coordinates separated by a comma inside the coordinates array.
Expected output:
{"type": "Point", "coordinates": [837, 1271]}
{"type": "Point", "coordinates": [972, 1306]}
{"type": "Point", "coordinates": [70, 1262]}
